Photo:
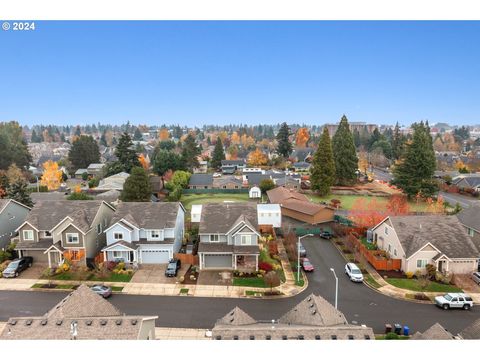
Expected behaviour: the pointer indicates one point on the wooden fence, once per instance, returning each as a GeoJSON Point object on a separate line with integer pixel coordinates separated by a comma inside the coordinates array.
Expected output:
{"type": "Point", "coordinates": [376, 258]}
{"type": "Point", "coordinates": [187, 258]}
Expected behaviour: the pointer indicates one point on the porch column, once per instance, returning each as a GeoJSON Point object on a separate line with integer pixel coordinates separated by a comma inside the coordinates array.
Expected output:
{"type": "Point", "coordinates": [256, 262]}
{"type": "Point", "coordinates": [104, 256]}
{"type": "Point", "coordinates": [235, 262]}
{"type": "Point", "coordinates": [49, 261]}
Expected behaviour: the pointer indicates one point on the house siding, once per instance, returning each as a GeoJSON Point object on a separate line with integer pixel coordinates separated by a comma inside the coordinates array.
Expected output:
{"type": "Point", "coordinates": [28, 227]}
{"type": "Point", "coordinates": [95, 242]}
{"type": "Point", "coordinates": [117, 228]}
{"type": "Point", "coordinates": [384, 240]}
{"type": "Point", "coordinates": [12, 216]}
{"type": "Point", "coordinates": [325, 215]}
{"type": "Point", "coordinates": [428, 254]}
{"type": "Point", "coordinates": [72, 229]}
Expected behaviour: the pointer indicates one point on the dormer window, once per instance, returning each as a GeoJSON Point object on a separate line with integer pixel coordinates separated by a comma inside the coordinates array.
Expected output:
{"type": "Point", "coordinates": [214, 238]}
{"type": "Point", "coordinates": [155, 234]}
{"type": "Point", "coordinates": [28, 235]}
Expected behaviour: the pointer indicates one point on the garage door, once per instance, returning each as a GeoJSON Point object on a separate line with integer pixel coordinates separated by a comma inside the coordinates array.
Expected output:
{"type": "Point", "coordinates": [155, 256]}
{"type": "Point", "coordinates": [221, 261]}
{"type": "Point", "coordinates": [38, 256]}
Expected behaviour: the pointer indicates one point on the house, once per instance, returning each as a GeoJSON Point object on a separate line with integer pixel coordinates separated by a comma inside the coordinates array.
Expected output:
{"type": "Point", "coordinates": [438, 240]}
{"type": "Point", "coordinates": [471, 332]}
{"type": "Point", "coordinates": [301, 166]}
{"type": "Point", "coordinates": [55, 230]}
{"type": "Point", "coordinates": [288, 182]}
{"type": "Point", "coordinates": [12, 215]}
{"type": "Point", "coordinates": [95, 169]}
{"type": "Point", "coordinates": [254, 192]}
{"type": "Point", "coordinates": [81, 315]}
{"type": "Point", "coordinates": [297, 206]}
{"type": "Point", "coordinates": [269, 217]}
{"type": "Point", "coordinates": [314, 318]}
{"type": "Point", "coordinates": [200, 181]}
{"type": "Point", "coordinates": [195, 213]}
{"type": "Point", "coordinates": [254, 179]}
{"type": "Point", "coordinates": [434, 332]}
{"type": "Point", "coordinates": [202, 167]}
{"type": "Point", "coordinates": [157, 186]}
{"type": "Point", "coordinates": [467, 181]}
{"type": "Point", "coordinates": [113, 182]}
{"type": "Point", "coordinates": [145, 232]}
{"type": "Point", "coordinates": [79, 173]}
{"type": "Point", "coordinates": [229, 235]}
{"type": "Point", "coordinates": [470, 219]}
{"type": "Point", "coordinates": [230, 166]}
{"type": "Point", "coordinates": [228, 182]}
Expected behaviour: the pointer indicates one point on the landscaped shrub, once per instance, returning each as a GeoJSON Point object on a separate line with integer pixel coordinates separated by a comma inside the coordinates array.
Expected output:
{"type": "Point", "coordinates": [431, 271]}
{"type": "Point", "coordinates": [409, 274]}
{"type": "Point", "coordinates": [391, 336]}
{"type": "Point", "coordinates": [421, 296]}
{"type": "Point", "coordinates": [272, 248]}
{"type": "Point", "coordinates": [265, 266]}
{"type": "Point", "coordinates": [110, 265]}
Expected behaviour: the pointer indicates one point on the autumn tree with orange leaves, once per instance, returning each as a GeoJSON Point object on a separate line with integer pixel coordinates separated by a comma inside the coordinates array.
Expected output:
{"type": "Point", "coordinates": [435, 206]}
{"type": "Point", "coordinates": [52, 175]}
{"type": "Point", "coordinates": [144, 161]}
{"type": "Point", "coordinates": [398, 205]}
{"type": "Point", "coordinates": [164, 134]}
{"type": "Point", "coordinates": [256, 158]}
{"type": "Point", "coordinates": [302, 137]}
{"type": "Point", "coordinates": [366, 214]}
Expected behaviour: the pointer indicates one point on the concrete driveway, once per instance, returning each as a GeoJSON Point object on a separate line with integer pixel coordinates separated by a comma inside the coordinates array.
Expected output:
{"type": "Point", "coordinates": [34, 272]}
{"type": "Point", "coordinates": [155, 273]}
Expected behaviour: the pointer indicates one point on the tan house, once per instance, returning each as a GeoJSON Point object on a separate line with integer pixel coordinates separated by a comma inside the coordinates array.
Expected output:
{"type": "Point", "coordinates": [297, 206]}
{"type": "Point", "coordinates": [55, 230]}
{"type": "Point", "coordinates": [428, 239]}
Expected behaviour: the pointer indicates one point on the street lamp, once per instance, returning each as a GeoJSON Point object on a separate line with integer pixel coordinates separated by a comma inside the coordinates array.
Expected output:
{"type": "Point", "coordinates": [298, 255]}
{"type": "Point", "coordinates": [336, 287]}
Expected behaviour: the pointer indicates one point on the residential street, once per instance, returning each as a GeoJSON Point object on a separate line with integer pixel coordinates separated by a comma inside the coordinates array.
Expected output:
{"type": "Point", "coordinates": [464, 201]}
{"type": "Point", "coordinates": [359, 303]}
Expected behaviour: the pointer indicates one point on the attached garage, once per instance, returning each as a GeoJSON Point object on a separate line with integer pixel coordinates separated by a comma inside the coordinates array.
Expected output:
{"type": "Point", "coordinates": [38, 256]}
{"type": "Point", "coordinates": [217, 261]}
{"type": "Point", "coordinates": [155, 256]}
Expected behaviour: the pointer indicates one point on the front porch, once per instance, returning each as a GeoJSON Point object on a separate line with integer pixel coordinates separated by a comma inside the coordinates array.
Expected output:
{"type": "Point", "coordinates": [245, 262]}
{"type": "Point", "coordinates": [119, 252]}
{"type": "Point", "coordinates": [56, 255]}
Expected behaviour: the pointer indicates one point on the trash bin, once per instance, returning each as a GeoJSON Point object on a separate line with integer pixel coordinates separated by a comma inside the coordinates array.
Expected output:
{"type": "Point", "coordinates": [388, 328]}
{"type": "Point", "coordinates": [406, 330]}
{"type": "Point", "coordinates": [398, 329]}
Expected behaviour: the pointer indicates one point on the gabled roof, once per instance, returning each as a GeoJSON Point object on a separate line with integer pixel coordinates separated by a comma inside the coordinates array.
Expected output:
{"type": "Point", "coordinates": [470, 217]}
{"type": "Point", "coordinates": [201, 179]}
{"type": "Point", "coordinates": [280, 194]}
{"type": "Point", "coordinates": [147, 215]}
{"type": "Point", "coordinates": [435, 332]}
{"type": "Point", "coordinates": [472, 331]}
{"type": "Point", "coordinates": [123, 243]}
{"type": "Point", "coordinates": [220, 218]}
{"type": "Point", "coordinates": [445, 233]}
{"type": "Point", "coordinates": [4, 203]}
{"type": "Point", "coordinates": [236, 317]}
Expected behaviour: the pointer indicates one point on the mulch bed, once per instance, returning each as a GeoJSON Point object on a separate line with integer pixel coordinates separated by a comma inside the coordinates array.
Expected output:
{"type": "Point", "coordinates": [392, 274]}
{"type": "Point", "coordinates": [187, 280]}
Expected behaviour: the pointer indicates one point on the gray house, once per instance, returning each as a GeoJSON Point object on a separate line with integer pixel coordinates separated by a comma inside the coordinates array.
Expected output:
{"type": "Point", "coordinates": [470, 219]}
{"type": "Point", "coordinates": [55, 230]}
{"type": "Point", "coordinates": [201, 181]}
{"type": "Point", "coordinates": [12, 214]}
{"type": "Point", "coordinates": [145, 232]}
{"type": "Point", "coordinates": [229, 237]}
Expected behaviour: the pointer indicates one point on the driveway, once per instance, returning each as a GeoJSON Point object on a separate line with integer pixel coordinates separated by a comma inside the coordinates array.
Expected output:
{"type": "Point", "coordinates": [155, 273]}
{"type": "Point", "coordinates": [34, 272]}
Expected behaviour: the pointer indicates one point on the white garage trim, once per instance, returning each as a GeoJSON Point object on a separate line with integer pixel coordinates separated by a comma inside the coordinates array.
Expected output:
{"type": "Point", "coordinates": [155, 256]}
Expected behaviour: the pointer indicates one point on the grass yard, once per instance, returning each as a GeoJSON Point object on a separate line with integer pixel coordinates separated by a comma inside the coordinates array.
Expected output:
{"type": "Point", "coordinates": [412, 284]}
{"type": "Point", "coordinates": [196, 199]}
{"type": "Point", "coordinates": [113, 278]}
{"type": "Point", "coordinates": [371, 281]}
{"type": "Point", "coordinates": [250, 282]}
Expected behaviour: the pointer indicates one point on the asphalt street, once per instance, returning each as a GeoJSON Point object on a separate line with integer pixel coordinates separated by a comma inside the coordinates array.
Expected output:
{"type": "Point", "coordinates": [360, 304]}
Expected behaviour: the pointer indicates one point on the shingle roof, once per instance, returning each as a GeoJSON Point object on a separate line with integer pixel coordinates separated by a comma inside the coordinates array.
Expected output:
{"type": "Point", "coordinates": [472, 331]}
{"type": "Point", "coordinates": [215, 247]}
{"type": "Point", "coordinates": [255, 179]}
{"type": "Point", "coordinates": [446, 233]}
{"type": "Point", "coordinates": [43, 244]}
{"type": "Point", "coordinates": [435, 332]}
{"type": "Point", "coordinates": [201, 179]}
{"type": "Point", "coordinates": [221, 217]}
{"type": "Point", "coordinates": [5, 202]}
{"type": "Point", "coordinates": [148, 215]}
{"type": "Point", "coordinates": [123, 243]}
{"type": "Point", "coordinates": [470, 217]}
{"type": "Point", "coordinates": [236, 317]}
{"type": "Point", "coordinates": [46, 214]}
{"type": "Point", "coordinates": [280, 194]}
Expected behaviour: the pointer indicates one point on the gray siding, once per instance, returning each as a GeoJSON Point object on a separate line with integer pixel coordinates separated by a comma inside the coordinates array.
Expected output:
{"type": "Point", "coordinates": [28, 227]}
{"type": "Point", "coordinates": [12, 216]}
{"type": "Point", "coordinates": [72, 229]}
{"type": "Point", "coordinates": [37, 255]}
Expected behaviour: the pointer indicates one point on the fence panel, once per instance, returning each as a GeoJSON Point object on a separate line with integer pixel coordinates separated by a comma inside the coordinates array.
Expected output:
{"type": "Point", "coordinates": [214, 191]}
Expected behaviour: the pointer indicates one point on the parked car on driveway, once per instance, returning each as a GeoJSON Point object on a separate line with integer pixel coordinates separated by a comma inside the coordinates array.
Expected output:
{"type": "Point", "coordinates": [302, 251]}
{"type": "Point", "coordinates": [217, 175]}
{"type": "Point", "coordinates": [476, 277]}
{"type": "Point", "coordinates": [454, 300]}
{"type": "Point", "coordinates": [102, 290]}
{"type": "Point", "coordinates": [172, 268]}
{"type": "Point", "coordinates": [326, 235]}
{"type": "Point", "coordinates": [17, 266]}
{"type": "Point", "coordinates": [354, 272]}
{"type": "Point", "coordinates": [307, 265]}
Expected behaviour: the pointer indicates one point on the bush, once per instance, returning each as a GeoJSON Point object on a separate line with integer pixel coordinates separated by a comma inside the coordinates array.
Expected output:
{"type": "Point", "coordinates": [79, 196]}
{"type": "Point", "coordinates": [391, 336]}
{"type": "Point", "coordinates": [93, 183]}
{"type": "Point", "coordinates": [409, 274]}
{"type": "Point", "coordinates": [110, 265]}
{"type": "Point", "coordinates": [272, 248]}
{"type": "Point", "coordinates": [84, 176]}
{"type": "Point", "coordinates": [431, 271]}
{"type": "Point", "coordinates": [265, 266]}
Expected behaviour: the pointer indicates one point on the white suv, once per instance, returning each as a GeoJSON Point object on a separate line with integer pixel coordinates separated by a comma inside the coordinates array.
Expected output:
{"type": "Point", "coordinates": [454, 300]}
{"type": "Point", "coordinates": [353, 272]}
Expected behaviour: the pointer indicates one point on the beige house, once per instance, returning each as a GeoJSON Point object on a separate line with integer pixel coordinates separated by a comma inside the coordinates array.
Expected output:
{"type": "Point", "coordinates": [428, 239]}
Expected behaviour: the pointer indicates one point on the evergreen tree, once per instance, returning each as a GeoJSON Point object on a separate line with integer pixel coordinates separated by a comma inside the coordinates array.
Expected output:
{"type": "Point", "coordinates": [398, 142]}
{"type": "Point", "coordinates": [218, 154]}
{"type": "Point", "coordinates": [103, 138]}
{"type": "Point", "coordinates": [323, 165]}
{"type": "Point", "coordinates": [125, 154]}
{"type": "Point", "coordinates": [165, 160]}
{"type": "Point", "coordinates": [18, 191]}
{"type": "Point", "coordinates": [137, 136]}
{"type": "Point", "coordinates": [414, 173]}
{"type": "Point", "coordinates": [78, 132]}
{"type": "Point", "coordinates": [13, 147]}
{"type": "Point", "coordinates": [137, 186]}
{"type": "Point", "coordinates": [190, 151]}
{"type": "Point", "coordinates": [35, 138]}
{"type": "Point", "coordinates": [84, 151]}
{"type": "Point", "coordinates": [284, 146]}
{"type": "Point", "coordinates": [344, 152]}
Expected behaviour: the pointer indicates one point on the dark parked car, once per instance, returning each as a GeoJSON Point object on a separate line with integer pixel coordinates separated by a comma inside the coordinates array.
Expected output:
{"type": "Point", "coordinates": [17, 266]}
{"type": "Point", "coordinates": [172, 268]}
{"type": "Point", "coordinates": [302, 250]}
{"type": "Point", "coordinates": [476, 277]}
{"type": "Point", "coordinates": [102, 290]}
{"type": "Point", "coordinates": [307, 265]}
{"type": "Point", "coordinates": [326, 235]}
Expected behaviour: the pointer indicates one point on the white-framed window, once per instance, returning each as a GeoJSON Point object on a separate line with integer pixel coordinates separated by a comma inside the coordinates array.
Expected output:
{"type": "Point", "coordinates": [471, 232]}
{"type": "Point", "coordinates": [214, 238]}
{"type": "Point", "coordinates": [389, 248]}
{"type": "Point", "coordinates": [72, 238]}
{"type": "Point", "coordinates": [28, 235]}
{"type": "Point", "coordinates": [118, 235]}
{"type": "Point", "coordinates": [99, 228]}
{"type": "Point", "coordinates": [117, 254]}
{"type": "Point", "coordinates": [155, 234]}
{"type": "Point", "coordinates": [394, 252]}
{"type": "Point", "coordinates": [245, 239]}
{"type": "Point", "coordinates": [421, 263]}
{"type": "Point", "coordinates": [386, 230]}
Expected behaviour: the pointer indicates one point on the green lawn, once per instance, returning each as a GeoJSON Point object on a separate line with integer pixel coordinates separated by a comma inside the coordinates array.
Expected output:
{"type": "Point", "coordinates": [195, 199]}
{"type": "Point", "coordinates": [113, 278]}
{"type": "Point", "coordinates": [371, 281]}
{"type": "Point", "coordinates": [412, 284]}
{"type": "Point", "coordinates": [250, 282]}
{"type": "Point", "coordinates": [301, 282]}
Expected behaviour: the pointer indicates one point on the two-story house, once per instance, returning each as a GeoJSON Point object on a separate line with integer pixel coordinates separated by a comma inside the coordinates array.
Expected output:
{"type": "Point", "coordinates": [145, 232]}
{"type": "Point", "coordinates": [12, 214]}
{"type": "Point", "coordinates": [229, 236]}
{"type": "Point", "coordinates": [55, 230]}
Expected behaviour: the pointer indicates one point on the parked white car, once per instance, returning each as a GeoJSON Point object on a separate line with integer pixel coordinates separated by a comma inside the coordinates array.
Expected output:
{"type": "Point", "coordinates": [353, 272]}
{"type": "Point", "coordinates": [454, 300]}
{"type": "Point", "coordinates": [217, 175]}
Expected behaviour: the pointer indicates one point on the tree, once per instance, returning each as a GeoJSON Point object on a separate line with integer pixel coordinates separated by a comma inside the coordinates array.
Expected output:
{"type": "Point", "coordinates": [144, 162]}
{"type": "Point", "coordinates": [52, 175]}
{"type": "Point", "coordinates": [13, 147]}
{"type": "Point", "coordinates": [323, 165]}
{"type": "Point", "coordinates": [166, 145]}
{"type": "Point", "coordinates": [385, 146]}
{"type": "Point", "coordinates": [180, 179]}
{"type": "Point", "coordinates": [190, 152]}
{"type": "Point", "coordinates": [34, 137]}
{"type": "Point", "coordinates": [165, 161]}
{"type": "Point", "coordinates": [256, 158]}
{"type": "Point", "coordinates": [398, 142]}
{"type": "Point", "coordinates": [84, 151]}
{"type": "Point", "coordinates": [137, 135]}
{"type": "Point", "coordinates": [414, 172]}
{"type": "Point", "coordinates": [15, 174]}
{"type": "Point", "coordinates": [266, 184]}
{"type": "Point", "coordinates": [284, 146]}
{"type": "Point", "coordinates": [366, 213]}
{"type": "Point", "coordinates": [18, 191]}
{"type": "Point", "coordinates": [79, 196]}
{"type": "Point", "coordinates": [302, 137]}
{"type": "Point", "coordinates": [125, 154]}
{"type": "Point", "coordinates": [103, 138]}
{"type": "Point", "coordinates": [164, 134]}
{"type": "Point", "coordinates": [398, 205]}
{"type": "Point", "coordinates": [271, 279]}
{"type": "Point", "coordinates": [137, 186]}
{"type": "Point", "coordinates": [218, 154]}
{"type": "Point", "coordinates": [344, 153]}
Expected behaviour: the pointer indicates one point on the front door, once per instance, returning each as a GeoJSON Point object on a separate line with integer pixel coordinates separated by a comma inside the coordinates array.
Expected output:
{"type": "Point", "coordinates": [440, 266]}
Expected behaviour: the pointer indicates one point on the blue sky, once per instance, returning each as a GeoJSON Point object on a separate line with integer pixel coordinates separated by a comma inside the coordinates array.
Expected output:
{"type": "Point", "coordinates": [197, 73]}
